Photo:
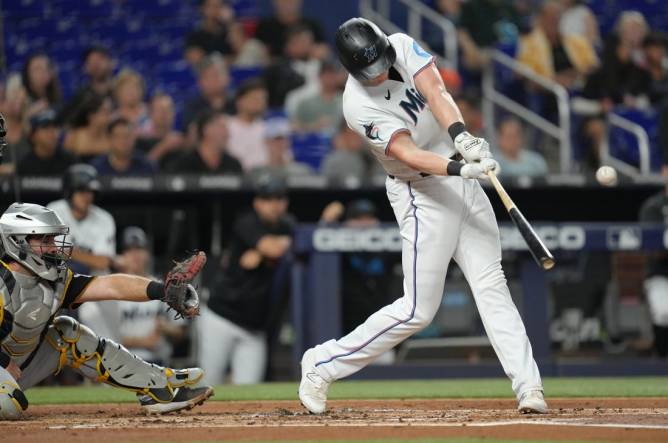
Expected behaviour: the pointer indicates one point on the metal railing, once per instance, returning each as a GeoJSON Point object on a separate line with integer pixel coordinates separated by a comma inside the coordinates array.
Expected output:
{"type": "Point", "coordinates": [491, 96]}
{"type": "Point", "coordinates": [379, 11]}
{"type": "Point", "coordinates": [643, 146]}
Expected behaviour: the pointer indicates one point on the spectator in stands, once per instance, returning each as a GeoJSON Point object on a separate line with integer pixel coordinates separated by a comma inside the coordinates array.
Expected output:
{"type": "Point", "coordinates": [246, 127]}
{"type": "Point", "coordinates": [655, 211]}
{"type": "Point", "coordinates": [41, 83]}
{"type": "Point", "coordinates": [654, 47]}
{"type": "Point", "coordinates": [211, 155]}
{"type": "Point", "coordinates": [246, 52]}
{"type": "Point", "coordinates": [273, 31]}
{"type": "Point", "coordinates": [212, 34]}
{"type": "Point", "coordinates": [564, 58]}
{"type": "Point", "coordinates": [45, 156]}
{"type": "Point", "coordinates": [483, 24]}
{"type": "Point", "coordinates": [515, 160]}
{"type": "Point", "coordinates": [212, 81]}
{"type": "Point", "coordinates": [578, 19]}
{"type": "Point", "coordinates": [347, 160]}
{"type": "Point", "coordinates": [88, 135]}
{"type": "Point", "coordinates": [619, 81]}
{"type": "Point", "coordinates": [321, 111]}
{"type": "Point", "coordinates": [14, 108]}
{"type": "Point", "coordinates": [158, 139]}
{"type": "Point", "coordinates": [122, 158]}
{"type": "Point", "coordinates": [296, 69]}
{"type": "Point", "coordinates": [240, 306]}
{"type": "Point", "coordinates": [98, 67]}
{"type": "Point", "coordinates": [279, 148]}
{"type": "Point", "coordinates": [145, 327]}
{"type": "Point", "coordinates": [93, 234]}
{"type": "Point", "coordinates": [128, 94]}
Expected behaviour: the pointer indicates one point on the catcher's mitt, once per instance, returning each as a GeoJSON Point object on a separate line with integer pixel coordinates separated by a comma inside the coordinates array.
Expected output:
{"type": "Point", "coordinates": [180, 295]}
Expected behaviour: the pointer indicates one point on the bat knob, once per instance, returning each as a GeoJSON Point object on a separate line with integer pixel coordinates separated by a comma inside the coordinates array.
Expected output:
{"type": "Point", "coordinates": [548, 263]}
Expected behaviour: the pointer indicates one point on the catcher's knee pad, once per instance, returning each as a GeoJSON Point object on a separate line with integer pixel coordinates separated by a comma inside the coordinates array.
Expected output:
{"type": "Point", "coordinates": [12, 401]}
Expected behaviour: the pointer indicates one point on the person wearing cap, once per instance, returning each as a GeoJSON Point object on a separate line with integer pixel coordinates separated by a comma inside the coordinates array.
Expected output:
{"type": "Point", "coordinates": [93, 233]}
{"type": "Point", "coordinates": [232, 326]}
{"type": "Point", "coordinates": [277, 136]}
{"type": "Point", "coordinates": [321, 111]}
{"type": "Point", "coordinates": [45, 156]}
{"type": "Point", "coordinates": [145, 327]}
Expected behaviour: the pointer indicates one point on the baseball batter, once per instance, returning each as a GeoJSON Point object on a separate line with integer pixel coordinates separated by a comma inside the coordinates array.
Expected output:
{"type": "Point", "coordinates": [35, 342]}
{"type": "Point", "coordinates": [396, 99]}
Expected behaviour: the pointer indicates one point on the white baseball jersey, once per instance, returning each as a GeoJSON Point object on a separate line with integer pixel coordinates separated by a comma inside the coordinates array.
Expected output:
{"type": "Point", "coordinates": [440, 218]}
{"type": "Point", "coordinates": [95, 234]}
{"type": "Point", "coordinates": [380, 113]}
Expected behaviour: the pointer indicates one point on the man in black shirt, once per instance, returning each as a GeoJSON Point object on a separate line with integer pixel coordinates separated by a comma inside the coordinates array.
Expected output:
{"type": "Point", "coordinates": [273, 31]}
{"type": "Point", "coordinates": [210, 156]}
{"type": "Point", "coordinates": [232, 328]}
{"type": "Point", "coordinates": [46, 157]}
{"type": "Point", "coordinates": [212, 81]}
{"type": "Point", "coordinates": [211, 35]}
{"type": "Point", "coordinates": [655, 210]}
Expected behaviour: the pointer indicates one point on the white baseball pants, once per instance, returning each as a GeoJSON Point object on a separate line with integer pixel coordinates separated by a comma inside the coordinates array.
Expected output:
{"type": "Point", "coordinates": [223, 344]}
{"type": "Point", "coordinates": [440, 218]}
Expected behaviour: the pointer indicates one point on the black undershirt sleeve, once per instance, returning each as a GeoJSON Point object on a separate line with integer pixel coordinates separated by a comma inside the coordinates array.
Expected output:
{"type": "Point", "coordinates": [76, 287]}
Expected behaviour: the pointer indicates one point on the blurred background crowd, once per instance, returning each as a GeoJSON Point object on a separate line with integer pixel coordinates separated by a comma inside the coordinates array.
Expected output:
{"type": "Point", "coordinates": [251, 88]}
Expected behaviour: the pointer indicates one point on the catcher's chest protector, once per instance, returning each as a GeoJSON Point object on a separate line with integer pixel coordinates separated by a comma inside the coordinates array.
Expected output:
{"type": "Point", "coordinates": [29, 303]}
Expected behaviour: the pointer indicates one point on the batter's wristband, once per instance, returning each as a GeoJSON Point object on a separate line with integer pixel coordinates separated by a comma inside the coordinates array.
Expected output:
{"type": "Point", "coordinates": [155, 291]}
{"type": "Point", "coordinates": [4, 359]}
{"type": "Point", "coordinates": [454, 168]}
{"type": "Point", "coordinates": [455, 129]}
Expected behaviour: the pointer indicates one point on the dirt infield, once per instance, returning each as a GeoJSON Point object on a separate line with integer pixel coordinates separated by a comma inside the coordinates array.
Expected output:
{"type": "Point", "coordinates": [611, 419]}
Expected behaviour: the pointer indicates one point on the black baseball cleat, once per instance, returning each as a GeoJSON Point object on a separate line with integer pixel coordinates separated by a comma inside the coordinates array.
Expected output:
{"type": "Point", "coordinates": [184, 398]}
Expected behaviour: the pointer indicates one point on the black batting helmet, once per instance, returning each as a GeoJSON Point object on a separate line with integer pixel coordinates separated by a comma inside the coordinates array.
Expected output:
{"type": "Point", "coordinates": [80, 177]}
{"type": "Point", "coordinates": [364, 50]}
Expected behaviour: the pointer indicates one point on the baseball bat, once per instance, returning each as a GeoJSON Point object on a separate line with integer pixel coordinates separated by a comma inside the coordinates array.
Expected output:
{"type": "Point", "coordinates": [539, 251]}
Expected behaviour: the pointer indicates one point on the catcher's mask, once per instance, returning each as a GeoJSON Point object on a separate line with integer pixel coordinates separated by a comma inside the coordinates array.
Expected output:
{"type": "Point", "coordinates": [36, 237]}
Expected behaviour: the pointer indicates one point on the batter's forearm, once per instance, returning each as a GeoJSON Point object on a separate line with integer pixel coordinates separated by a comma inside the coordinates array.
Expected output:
{"type": "Point", "coordinates": [424, 161]}
{"type": "Point", "coordinates": [443, 107]}
{"type": "Point", "coordinates": [116, 287]}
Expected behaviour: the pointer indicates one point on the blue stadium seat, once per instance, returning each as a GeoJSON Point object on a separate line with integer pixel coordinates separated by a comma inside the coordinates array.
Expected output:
{"type": "Point", "coordinates": [623, 145]}
{"type": "Point", "coordinates": [310, 148]}
{"type": "Point", "coordinates": [157, 8]}
{"type": "Point", "coordinates": [239, 75]}
{"type": "Point", "coordinates": [23, 8]}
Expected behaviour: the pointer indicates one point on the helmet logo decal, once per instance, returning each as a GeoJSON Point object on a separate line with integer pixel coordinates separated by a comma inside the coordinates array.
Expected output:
{"type": "Point", "coordinates": [370, 53]}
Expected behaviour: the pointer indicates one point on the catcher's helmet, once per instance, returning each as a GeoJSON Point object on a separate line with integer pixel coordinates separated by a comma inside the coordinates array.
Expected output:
{"type": "Point", "coordinates": [21, 221]}
{"type": "Point", "coordinates": [364, 50]}
{"type": "Point", "coordinates": [80, 177]}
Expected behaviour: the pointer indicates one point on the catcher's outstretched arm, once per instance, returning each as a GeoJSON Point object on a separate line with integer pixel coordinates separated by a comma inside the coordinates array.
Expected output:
{"type": "Point", "coordinates": [116, 287]}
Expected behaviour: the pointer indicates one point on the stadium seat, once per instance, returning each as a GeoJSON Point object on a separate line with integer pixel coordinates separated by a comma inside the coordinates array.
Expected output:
{"type": "Point", "coordinates": [310, 148]}
{"type": "Point", "coordinates": [239, 75]}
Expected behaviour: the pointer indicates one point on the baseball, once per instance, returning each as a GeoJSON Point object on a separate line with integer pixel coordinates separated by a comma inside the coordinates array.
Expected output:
{"type": "Point", "coordinates": [606, 176]}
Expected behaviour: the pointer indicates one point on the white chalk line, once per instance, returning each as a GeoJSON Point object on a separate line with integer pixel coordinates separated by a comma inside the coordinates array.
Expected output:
{"type": "Point", "coordinates": [538, 422]}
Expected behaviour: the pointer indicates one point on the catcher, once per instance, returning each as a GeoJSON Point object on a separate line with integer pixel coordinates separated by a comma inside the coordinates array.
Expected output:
{"type": "Point", "coordinates": [35, 283]}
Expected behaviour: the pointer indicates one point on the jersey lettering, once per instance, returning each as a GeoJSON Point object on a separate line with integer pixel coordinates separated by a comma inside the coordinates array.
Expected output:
{"type": "Point", "coordinates": [414, 105]}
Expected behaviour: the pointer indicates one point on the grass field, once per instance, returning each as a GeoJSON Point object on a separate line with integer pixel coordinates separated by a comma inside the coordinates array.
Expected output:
{"type": "Point", "coordinates": [396, 389]}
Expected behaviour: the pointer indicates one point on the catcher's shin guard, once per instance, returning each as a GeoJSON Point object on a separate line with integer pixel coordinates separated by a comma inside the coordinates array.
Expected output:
{"type": "Point", "coordinates": [104, 360]}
